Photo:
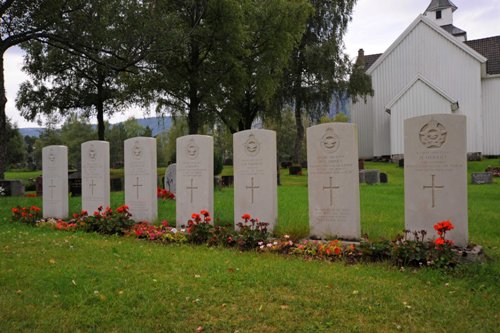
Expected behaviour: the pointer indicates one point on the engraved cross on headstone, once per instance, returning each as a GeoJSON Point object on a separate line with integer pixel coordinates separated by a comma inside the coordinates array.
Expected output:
{"type": "Point", "coordinates": [192, 188]}
{"type": "Point", "coordinates": [331, 188]}
{"type": "Point", "coordinates": [252, 187]}
{"type": "Point", "coordinates": [137, 185]}
{"type": "Point", "coordinates": [52, 186]}
{"type": "Point", "coordinates": [433, 187]}
{"type": "Point", "coordinates": [92, 185]}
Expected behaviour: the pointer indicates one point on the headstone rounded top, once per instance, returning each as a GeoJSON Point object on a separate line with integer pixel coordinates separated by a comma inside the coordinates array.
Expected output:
{"type": "Point", "coordinates": [51, 152]}
{"type": "Point", "coordinates": [251, 140]}
{"type": "Point", "coordinates": [330, 141]}
{"type": "Point", "coordinates": [433, 134]}
{"type": "Point", "coordinates": [91, 150]}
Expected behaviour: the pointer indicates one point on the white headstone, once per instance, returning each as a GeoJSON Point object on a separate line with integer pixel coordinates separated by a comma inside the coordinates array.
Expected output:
{"type": "Point", "coordinates": [95, 175]}
{"type": "Point", "coordinates": [436, 174]}
{"type": "Point", "coordinates": [333, 181]}
{"type": "Point", "coordinates": [55, 181]}
{"type": "Point", "coordinates": [140, 178]}
{"type": "Point", "coordinates": [170, 178]}
{"type": "Point", "coordinates": [255, 176]}
{"type": "Point", "coordinates": [195, 176]}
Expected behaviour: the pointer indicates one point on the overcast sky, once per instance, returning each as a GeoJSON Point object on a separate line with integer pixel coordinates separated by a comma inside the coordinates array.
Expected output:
{"type": "Point", "coordinates": [375, 25]}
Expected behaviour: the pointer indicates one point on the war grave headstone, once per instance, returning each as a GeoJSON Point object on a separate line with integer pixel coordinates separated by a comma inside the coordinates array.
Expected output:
{"type": "Point", "coordinates": [435, 174]}
{"type": "Point", "coordinates": [333, 181]}
{"type": "Point", "coordinates": [170, 178]}
{"type": "Point", "coordinates": [140, 178]}
{"type": "Point", "coordinates": [255, 175]}
{"type": "Point", "coordinates": [95, 175]}
{"type": "Point", "coordinates": [479, 178]}
{"type": "Point", "coordinates": [55, 181]}
{"type": "Point", "coordinates": [194, 176]}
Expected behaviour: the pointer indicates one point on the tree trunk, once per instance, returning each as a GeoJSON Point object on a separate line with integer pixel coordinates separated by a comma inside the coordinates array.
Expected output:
{"type": "Point", "coordinates": [193, 121]}
{"type": "Point", "coordinates": [299, 136]}
{"type": "Point", "coordinates": [100, 109]}
{"type": "Point", "coordinates": [3, 122]}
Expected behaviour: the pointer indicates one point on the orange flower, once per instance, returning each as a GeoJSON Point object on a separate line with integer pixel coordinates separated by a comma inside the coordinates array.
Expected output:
{"type": "Point", "coordinates": [338, 250]}
{"type": "Point", "coordinates": [246, 217]}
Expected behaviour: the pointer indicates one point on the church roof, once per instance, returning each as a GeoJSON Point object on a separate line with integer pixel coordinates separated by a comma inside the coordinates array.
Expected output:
{"type": "Point", "coordinates": [440, 4]}
{"type": "Point", "coordinates": [490, 49]}
{"type": "Point", "coordinates": [450, 28]}
{"type": "Point", "coordinates": [370, 59]}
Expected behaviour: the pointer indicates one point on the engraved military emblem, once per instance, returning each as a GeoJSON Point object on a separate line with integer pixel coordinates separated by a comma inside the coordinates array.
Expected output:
{"type": "Point", "coordinates": [52, 156]}
{"type": "Point", "coordinates": [137, 150]}
{"type": "Point", "coordinates": [433, 134]}
{"type": "Point", "coordinates": [192, 149]}
{"type": "Point", "coordinates": [92, 152]}
{"type": "Point", "coordinates": [330, 142]}
{"type": "Point", "coordinates": [252, 146]}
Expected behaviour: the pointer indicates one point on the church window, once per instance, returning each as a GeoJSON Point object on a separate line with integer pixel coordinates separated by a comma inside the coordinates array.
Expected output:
{"type": "Point", "coordinates": [438, 15]}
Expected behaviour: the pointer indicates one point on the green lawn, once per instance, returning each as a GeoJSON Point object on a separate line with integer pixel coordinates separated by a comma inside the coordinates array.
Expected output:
{"type": "Point", "coordinates": [60, 281]}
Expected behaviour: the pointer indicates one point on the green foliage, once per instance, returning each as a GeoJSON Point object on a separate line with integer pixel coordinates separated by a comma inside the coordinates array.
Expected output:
{"type": "Point", "coordinates": [251, 233]}
{"type": "Point", "coordinates": [360, 83]}
{"type": "Point", "coordinates": [218, 162]}
{"type": "Point", "coordinates": [199, 228]}
{"type": "Point", "coordinates": [16, 147]}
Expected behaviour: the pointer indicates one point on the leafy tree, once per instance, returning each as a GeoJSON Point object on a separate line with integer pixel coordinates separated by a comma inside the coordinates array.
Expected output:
{"type": "Point", "coordinates": [74, 132]}
{"type": "Point", "coordinates": [187, 77]}
{"type": "Point", "coordinates": [273, 29]}
{"type": "Point", "coordinates": [16, 148]}
{"type": "Point", "coordinates": [318, 64]}
{"type": "Point", "coordinates": [23, 21]}
{"type": "Point", "coordinates": [118, 133]}
{"type": "Point", "coordinates": [88, 75]}
{"type": "Point", "coordinates": [49, 136]}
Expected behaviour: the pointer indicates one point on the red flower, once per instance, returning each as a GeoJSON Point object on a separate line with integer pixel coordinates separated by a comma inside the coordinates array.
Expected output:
{"type": "Point", "coordinates": [164, 223]}
{"type": "Point", "coordinates": [208, 219]}
{"type": "Point", "coordinates": [96, 213]}
{"type": "Point", "coordinates": [35, 208]}
{"type": "Point", "coordinates": [204, 212]}
{"type": "Point", "coordinates": [84, 213]}
{"type": "Point", "coordinates": [246, 217]}
{"type": "Point", "coordinates": [338, 250]}
{"type": "Point", "coordinates": [75, 215]}
{"type": "Point", "coordinates": [195, 216]}
{"type": "Point", "coordinates": [15, 210]}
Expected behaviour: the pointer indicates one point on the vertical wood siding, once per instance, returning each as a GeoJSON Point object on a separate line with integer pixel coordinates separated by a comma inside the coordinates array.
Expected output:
{"type": "Point", "coordinates": [362, 116]}
{"type": "Point", "coordinates": [426, 52]}
{"type": "Point", "coordinates": [491, 115]}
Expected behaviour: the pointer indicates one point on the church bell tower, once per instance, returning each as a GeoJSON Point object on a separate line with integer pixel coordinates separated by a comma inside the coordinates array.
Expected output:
{"type": "Point", "coordinates": [441, 13]}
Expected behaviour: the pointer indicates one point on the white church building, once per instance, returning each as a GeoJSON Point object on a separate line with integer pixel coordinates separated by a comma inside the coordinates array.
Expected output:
{"type": "Point", "coordinates": [431, 68]}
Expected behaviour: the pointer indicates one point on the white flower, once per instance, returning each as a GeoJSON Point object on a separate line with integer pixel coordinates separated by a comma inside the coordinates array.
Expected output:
{"type": "Point", "coordinates": [275, 243]}
{"type": "Point", "coordinates": [269, 245]}
{"type": "Point", "coordinates": [286, 236]}
{"type": "Point", "coordinates": [262, 246]}
{"type": "Point", "coordinates": [260, 243]}
{"type": "Point", "coordinates": [173, 230]}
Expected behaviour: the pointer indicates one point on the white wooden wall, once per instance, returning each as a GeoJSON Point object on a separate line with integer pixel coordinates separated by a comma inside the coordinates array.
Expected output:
{"type": "Point", "coordinates": [419, 100]}
{"type": "Point", "coordinates": [491, 115]}
{"type": "Point", "coordinates": [424, 51]}
{"type": "Point", "coordinates": [362, 116]}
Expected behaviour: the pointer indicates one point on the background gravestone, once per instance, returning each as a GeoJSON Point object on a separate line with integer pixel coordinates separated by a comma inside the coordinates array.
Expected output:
{"type": "Point", "coordinates": [170, 178]}
{"type": "Point", "coordinates": [333, 181]}
{"type": "Point", "coordinates": [372, 176]}
{"type": "Point", "coordinates": [194, 176]}
{"type": "Point", "coordinates": [11, 188]}
{"type": "Point", "coordinates": [481, 178]}
{"type": "Point", "coordinates": [95, 175]}
{"type": "Point", "coordinates": [140, 178]}
{"type": "Point", "coordinates": [255, 174]}
{"type": "Point", "coordinates": [55, 181]}
{"type": "Point", "coordinates": [435, 174]}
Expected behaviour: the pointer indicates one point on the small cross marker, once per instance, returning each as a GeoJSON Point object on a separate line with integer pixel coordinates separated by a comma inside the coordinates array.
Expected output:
{"type": "Point", "coordinates": [192, 188]}
{"type": "Point", "coordinates": [92, 185]}
{"type": "Point", "coordinates": [252, 187]}
{"type": "Point", "coordinates": [136, 185]}
{"type": "Point", "coordinates": [433, 187]}
{"type": "Point", "coordinates": [52, 186]}
{"type": "Point", "coordinates": [331, 188]}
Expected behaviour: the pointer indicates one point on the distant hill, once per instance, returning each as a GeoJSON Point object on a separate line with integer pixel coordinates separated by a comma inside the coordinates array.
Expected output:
{"type": "Point", "coordinates": [157, 125]}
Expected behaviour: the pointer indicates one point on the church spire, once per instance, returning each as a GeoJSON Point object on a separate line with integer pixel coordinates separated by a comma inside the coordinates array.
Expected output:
{"type": "Point", "coordinates": [441, 12]}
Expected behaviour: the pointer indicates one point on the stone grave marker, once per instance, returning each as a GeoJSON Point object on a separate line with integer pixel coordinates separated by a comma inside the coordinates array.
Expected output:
{"type": "Point", "coordinates": [372, 176]}
{"type": "Point", "coordinates": [194, 177]}
{"type": "Point", "coordinates": [170, 178]}
{"type": "Point", "coordinates": [140, 178]}
{"type": "Point", "coordinates": [384, 179]}
{"type": "Point", "coordinates": [481, 178]}
{"type": "Point", "coordinates": [333, 181]}
{"type": "Point", "coordinates": [55, 181]}
{"type": "Point", "coordinates": [95, 175]}
{"type": "Point", "coordinates": [255, 175]}
{"type": "Point", "coordinates": [435, 174]}
{"type": "Point", "coordinates": [11, 188]}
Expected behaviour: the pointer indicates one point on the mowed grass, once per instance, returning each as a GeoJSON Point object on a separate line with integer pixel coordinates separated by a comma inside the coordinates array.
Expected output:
{"type": "Point", "coordinates": [60, 281]}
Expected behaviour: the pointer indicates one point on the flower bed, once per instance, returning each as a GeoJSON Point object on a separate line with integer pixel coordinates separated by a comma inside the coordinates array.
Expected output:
{"type": "Point", "coordinates": [410, 249]}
